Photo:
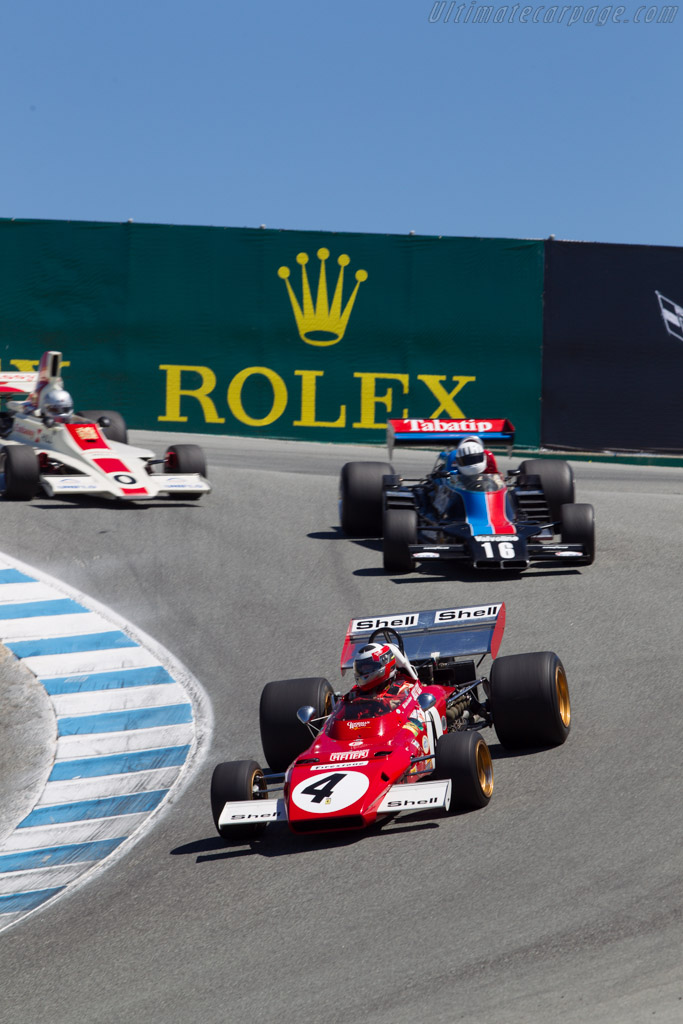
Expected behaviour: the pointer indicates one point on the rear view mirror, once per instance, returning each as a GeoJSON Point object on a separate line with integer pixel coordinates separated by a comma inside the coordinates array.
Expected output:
{"type": "Point", "coordinates": [426, 701]}
{"type": "Point", "coordinates": [305, 714]}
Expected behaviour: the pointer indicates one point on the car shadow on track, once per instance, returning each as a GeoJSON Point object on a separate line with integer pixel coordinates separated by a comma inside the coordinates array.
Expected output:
{"type": "Point", "coordinates": [462, 574]}
{"type": "Point", "coordinates": [501, 753]}
{"type": "Point", "coordinates": [278, 841]}
{"type": "Point", "coordinates": [61, 505]}
{"type": "Point", "coordinates": [447, 570]}
{"type": "Point", "coordinates": [336, 533]}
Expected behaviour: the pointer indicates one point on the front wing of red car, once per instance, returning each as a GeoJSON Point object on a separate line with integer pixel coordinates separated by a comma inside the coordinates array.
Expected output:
{"type": "Point", "coordinates": [337, 799]}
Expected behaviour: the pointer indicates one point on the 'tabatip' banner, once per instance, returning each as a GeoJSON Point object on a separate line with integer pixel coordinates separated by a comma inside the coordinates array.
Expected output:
{"type": "Point", "coordinates": [304, 335]}
{"type": "Point", "coordinates": [613, 347]}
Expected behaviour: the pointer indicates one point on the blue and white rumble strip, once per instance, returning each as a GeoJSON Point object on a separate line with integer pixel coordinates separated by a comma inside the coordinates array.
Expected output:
{"type": "Point", "coordinates": [126, 734]}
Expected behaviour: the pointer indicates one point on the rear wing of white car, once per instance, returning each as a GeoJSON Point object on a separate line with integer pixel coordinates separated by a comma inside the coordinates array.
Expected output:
{"type": "Point", "coordinates": [422, 433]}
{"type": "Point", "coordinates": [17, 382]}
{"type": "Point", "coordinates": [438, 633]}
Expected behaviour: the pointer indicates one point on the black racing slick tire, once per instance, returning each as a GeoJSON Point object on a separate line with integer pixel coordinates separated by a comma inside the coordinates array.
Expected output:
{"type": "Point", "coordinates": [465, 759]}
{"type": "Point", "coordinates": [237, 780]}
{"type": "Point", "coordinates": [578, 527]}
{"type": "Point", "coordinates": [557, 481]}
{"type": "Point", "coordinates": [115, 430]}
{"type": "Point", "coordinates": [185, 458]}
{"type": "Point", "coordinates": [400, 530]}
{"type": "Point", "coordinates": [529, 700]}
{"type": "Point", "coordinates": [361, 497]}
{"type": "Point", "coordinates": [283, 736]}
{"type": "Point", "coordinates": [22, 473]}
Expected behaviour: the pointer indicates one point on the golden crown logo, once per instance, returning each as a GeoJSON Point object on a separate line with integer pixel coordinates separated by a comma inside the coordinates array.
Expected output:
{"type": "Point", "coordinates": [322, 324]}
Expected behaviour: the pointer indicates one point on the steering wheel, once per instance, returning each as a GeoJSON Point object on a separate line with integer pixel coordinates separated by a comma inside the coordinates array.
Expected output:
{"type": "Point", "coordinates": [389, 635]}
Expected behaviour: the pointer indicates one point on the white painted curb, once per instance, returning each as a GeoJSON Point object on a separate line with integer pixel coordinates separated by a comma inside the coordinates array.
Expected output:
{"type": "Point", "coordinates": [133, 725]}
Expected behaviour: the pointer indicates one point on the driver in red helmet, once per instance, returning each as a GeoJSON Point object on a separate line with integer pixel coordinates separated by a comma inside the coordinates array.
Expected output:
{"type": "Point", "coordinates": [381, 669]}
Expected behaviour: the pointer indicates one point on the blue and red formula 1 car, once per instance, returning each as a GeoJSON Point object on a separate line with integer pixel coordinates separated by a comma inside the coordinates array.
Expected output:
{"type": "Point", "coordinates": [415, 744]}
{"type": "Point", "coordinates": [467, 512]}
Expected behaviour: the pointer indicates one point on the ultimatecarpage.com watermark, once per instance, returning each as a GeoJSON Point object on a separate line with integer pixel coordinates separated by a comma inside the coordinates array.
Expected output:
{"type": "Point", "coordinates": [455, 12]}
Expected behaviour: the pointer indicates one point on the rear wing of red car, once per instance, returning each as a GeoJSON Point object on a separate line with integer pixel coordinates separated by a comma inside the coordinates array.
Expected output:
{"type": "Point", "coordinates": [437, 633]}
{"type": "Point", "coordinates": [420, 433]}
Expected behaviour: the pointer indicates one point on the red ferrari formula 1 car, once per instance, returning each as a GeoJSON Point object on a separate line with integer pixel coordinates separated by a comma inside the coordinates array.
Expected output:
{"type": "Point", "coordinates": [412, 743]}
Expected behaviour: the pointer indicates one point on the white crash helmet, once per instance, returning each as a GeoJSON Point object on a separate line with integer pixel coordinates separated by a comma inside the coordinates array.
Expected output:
{"type": "Point", "coordinates": [56, 402]}
{"type": "Point", "coordinates": [470, 457]}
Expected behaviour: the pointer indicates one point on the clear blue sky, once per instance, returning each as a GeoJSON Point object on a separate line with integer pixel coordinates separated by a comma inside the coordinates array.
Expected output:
{"type": "Point", "coordinates": [344, 115]}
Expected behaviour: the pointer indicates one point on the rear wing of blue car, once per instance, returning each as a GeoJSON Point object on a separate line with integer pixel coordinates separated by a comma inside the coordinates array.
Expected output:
{"type": "Point", "coordinates": [438, 633]}
{"type": "Point", "coordinates": [422, 433]}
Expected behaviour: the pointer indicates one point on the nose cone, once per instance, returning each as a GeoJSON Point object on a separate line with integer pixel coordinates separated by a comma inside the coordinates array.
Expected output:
{"type": "Point", "coordinates": [333, 796]}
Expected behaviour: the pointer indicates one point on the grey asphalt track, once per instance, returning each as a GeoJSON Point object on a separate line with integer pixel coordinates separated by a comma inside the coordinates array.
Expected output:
{"type": "Point", "coordinates": [560, 902]}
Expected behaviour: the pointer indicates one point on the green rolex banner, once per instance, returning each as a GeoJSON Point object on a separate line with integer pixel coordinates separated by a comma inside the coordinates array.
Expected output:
{"type": "Point", "coordinates": [304, 335]}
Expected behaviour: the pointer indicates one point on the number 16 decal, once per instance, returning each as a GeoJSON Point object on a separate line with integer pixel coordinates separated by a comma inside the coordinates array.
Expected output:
{"type": "Point", "coordinates": [505, 549]}
{"type": "Point", "coordinates": [330, 792]}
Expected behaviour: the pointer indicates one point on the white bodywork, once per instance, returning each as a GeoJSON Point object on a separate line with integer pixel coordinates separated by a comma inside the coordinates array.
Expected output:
{"type": "Point", "coordinates": [100, 467]}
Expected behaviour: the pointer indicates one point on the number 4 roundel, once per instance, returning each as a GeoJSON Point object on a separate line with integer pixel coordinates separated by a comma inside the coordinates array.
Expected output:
{"type": "Point", "coordinates": [331, 791]}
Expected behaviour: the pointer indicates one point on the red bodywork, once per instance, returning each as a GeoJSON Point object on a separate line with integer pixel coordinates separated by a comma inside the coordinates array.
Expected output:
{"type": "Point", "coordinates": [366, 746]}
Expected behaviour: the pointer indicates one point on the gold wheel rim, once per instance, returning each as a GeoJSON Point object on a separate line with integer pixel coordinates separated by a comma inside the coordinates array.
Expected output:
{"type": "Point", "coordinates": [258, 786]}
{"type": "Point", "coordinates": [562, 690]}
{"type": "Point", "coordinates": [484, 768]}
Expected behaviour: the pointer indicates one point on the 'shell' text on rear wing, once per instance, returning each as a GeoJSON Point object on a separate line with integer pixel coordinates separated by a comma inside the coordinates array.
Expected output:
{"type": "Point", "coordinates": [438, 633]}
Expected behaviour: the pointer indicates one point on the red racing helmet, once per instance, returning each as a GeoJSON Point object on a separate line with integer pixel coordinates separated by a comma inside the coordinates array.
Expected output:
{"type": "Point", "coordinates": [374, 666]}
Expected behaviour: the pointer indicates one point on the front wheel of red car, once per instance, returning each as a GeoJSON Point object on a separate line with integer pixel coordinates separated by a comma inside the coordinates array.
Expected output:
{"type": "Point", "coordinates": [236, 780]}
{"type": "Point", "coordinates": [465, 759]}
{"type": "Point", "coordinates": [529, 699]}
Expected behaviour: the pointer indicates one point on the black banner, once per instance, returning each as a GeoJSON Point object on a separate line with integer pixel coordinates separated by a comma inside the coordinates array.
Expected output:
{"type": "Point", "coordinates": [613, 347]}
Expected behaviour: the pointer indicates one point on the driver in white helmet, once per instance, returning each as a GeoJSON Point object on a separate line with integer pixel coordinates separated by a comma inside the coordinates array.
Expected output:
{"type": "Point", "coordinates": [56, 404]}
{"type": "Point", "coordinates": [381, 669]}
{"type": "Point", "coordinates": [473, 466]}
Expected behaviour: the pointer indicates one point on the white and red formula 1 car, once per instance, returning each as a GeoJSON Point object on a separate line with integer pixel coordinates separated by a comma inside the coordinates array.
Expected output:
{"type": "Point", "coordinates": [345, 762]}
{"type": "Point", "coordinates": [45, 446]}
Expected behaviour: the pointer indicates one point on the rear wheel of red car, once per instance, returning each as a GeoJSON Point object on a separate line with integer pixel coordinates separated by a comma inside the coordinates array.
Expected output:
{"type": "Point", "coordinates": [22, 473]}
{"type": "Point", "coordinates": [361, 497]}
{"type": "Point", "coordinates": [557, 481]}
{"type": "Point", "coordinates": [283, 736]}
{"type": "Point", "coordinates": [400, 530]}
{"type": "Point", "coordinates": [529, 699]}
{"type": "Point", "coordinates": [115, 430]}
{"type": "Point", "coordinates": [237, 780]}
{"type": "Point", "coordinates": [465, 759]}
{"type": "Point", "coordinates": [578, 527]}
